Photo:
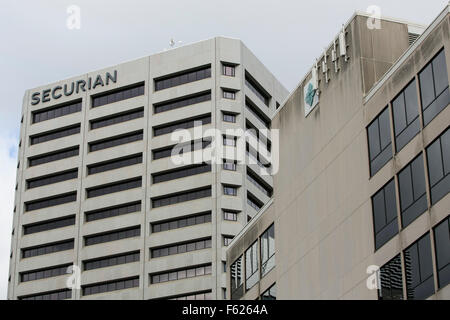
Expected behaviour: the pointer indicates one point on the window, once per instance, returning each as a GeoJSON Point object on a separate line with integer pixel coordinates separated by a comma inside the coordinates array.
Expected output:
{"type": "Point", "coordinates": [181, 274]}
{"type": "Point", "coordinates": [54, 156]}
{"type": "Point", "coordinates": [254, 110]}
{"type": "Point", "coordinates": [44, 273]}
{"type": "Point", "coordinates": [183, 78]}
{"type": "Point", "coordinates": [228, 70]}
{"type": "Point", "coordinates": [253, 202]}
{"type": "Point", "coordinates": [230, 215]}
{"type": "Point", "coordinates": [229, 165]}
{"type": "Point", "coordinates": [50, 202]}
{"type": "Point", "coordinates": [110, 261]}
{"type": "Point", "coordinates": [113, 211]}
{"type": "Point", "coordinates": [413, 200]}
{"type": "Point", "coordinates": [379, 137]}
{"type": "Point", "coordinates": [185, 124]}
{"type": "Point", "coordinates": [116, 141]}
{"type": "Point", "coordinates": [228, 94]}
{"type": "Point", "coordinates": [227, 117]}
{"type": "Point", "coordinates": [270, 294]}
{"type": "Point", "coordinates": [114, 187]}
{"type": "Point", "coordinates": [267, 241]}
{"type": "Point", "coordinates": [257, 89]}
{"type": "Point", "coordinates": [442, 245]}
{"type": "Point", "coordinates": [227, 240]}
{"type": "Point", "coordinates": [47, 248]}
{"type": "Point", "coordinates": [419, 269]}
{"type": "Point", "coordinates": [203, 295]}
{"type": "Point", "coordinates": [258, 183]}
{"type": "Point", "coordinates": [182, 222]}
{"type": "Point", "coordinates": [56, 112]}
{"type": "Point", "coordinates": [384, 208]}
{"type": "Point", "coordinates": [181, 248]}
{"type": "Point", "coordinates": [51, 179]}
{"type": "Point", "coordinates": [110, 286]}
{"type": "Point", "coordinates": [236, 279]}
{"type": "Point", "coordinates": [189, 146]}
{"type": "Point", "coordinates": [405, 110]}
{"type": "Point", "coordinates": [182, 102]}
{"type": "Point", "coordinates": [49, 225]}
{"type": "Point", "coordinates": [114, 164]}
{"type": "Point", "coordinates": [230, 191]}
{"type": "Point", "coordinates": [391, 280]}
{"type": "Point", "coordinates": [112, 236]}
{"type": "Point", "coordinates": [118, 95]}
{"type": "Point", "coordinates": [181, 197]}
{"type": "Point", "coordinates": [251, 266]}
{"type": "Point", "coordinates": [438, 156]}
{"type": "Point", "coordinates": [181, 173]}
{"type": "Point", "coordinates": [55, 134]}
{"type": "Point", "coordinates": [434, 90]}
{"type": "Point", "coordinates": [51, 295]}
{"type": "Point", "coordinates": [229, 141]}
{"type": "Point", "coordinates": [117, 118]}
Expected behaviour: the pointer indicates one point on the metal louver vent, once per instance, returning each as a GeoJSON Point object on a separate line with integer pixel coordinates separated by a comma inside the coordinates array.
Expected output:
{"type": "Point", "coordinates": [412, 37]}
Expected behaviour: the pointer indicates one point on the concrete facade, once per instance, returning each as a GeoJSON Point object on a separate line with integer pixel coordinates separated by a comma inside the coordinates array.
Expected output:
{"type": "Point", "coordinates": [214, 52]}
{"type": "Point", "coordinates": [322, 207]}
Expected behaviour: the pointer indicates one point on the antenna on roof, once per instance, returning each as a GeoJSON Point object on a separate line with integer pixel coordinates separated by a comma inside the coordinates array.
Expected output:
{"type": "Point", "coordinates": [173, 44]}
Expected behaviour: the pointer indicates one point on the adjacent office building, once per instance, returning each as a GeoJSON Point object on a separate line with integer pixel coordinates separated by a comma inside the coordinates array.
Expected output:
{"type": "Point", "coordinates": [361, 200]}
{"type": "Point", "coordinates": [97, 186]}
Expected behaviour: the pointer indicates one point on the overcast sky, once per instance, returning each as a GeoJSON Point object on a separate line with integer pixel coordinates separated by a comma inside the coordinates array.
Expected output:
{"type": "Point", "coordinates": [37, 48]}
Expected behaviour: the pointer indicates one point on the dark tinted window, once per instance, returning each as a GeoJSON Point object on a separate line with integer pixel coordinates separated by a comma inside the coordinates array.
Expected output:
{"type": "Point", "coordinates": [119, 118]}
{"type": "Point", "coordinates": [181, 222]}
{"type": "Point", "coordinates": [44, 273]}
{"type": "Point", "coordinates": [53, 178]}
{"type": "Point", "coordinates": [110, 286]}
{"type": "Point", "coordinates": [116, 141]}
{"type": "Point", "coordinates": [112, 236]}
{"type": "Point", "coordinates": [182, 102]}
{"type": "Point", "coordinates": [405, 109]}
{"type": "Point", "coordinates": [185, 124]}
{"type": "Point", "coordinates": [384, 207]}
{"type": "Point", "coordinates": [270, 294]}
{"type": "Point", "coordinates": [183, 78]}
{"type": "Point", "coordinates": [54, 156]}
{"type": "Point", "coordinates": [115, 164]}
{"type": "Point", "coordinates": [442, 247]}
{"type": "Point", "coordinates": [56, 134]}
{"type": "Point", "coordinates": [259, 183]}
{"type": "Point", "coordinates": [47, 248]}
{"type": "Point", "coordinates": [419, 269]}
{"type": "Point", "coordinates": [181, 173]}
{"type": "Point", "coordinates": [237, 281]}
{"type": "Point", "coordinates": [118, 95]}
{"type": "Point", "coordinates": [391, 280]}
{"type": "Point", "coordinates": [254, 110]}
{"type": "Point", "coordinates": [181, 248]}
{"type": "Point", "coordinates": [115, 260]}
{"type": "Point", "coordinates": [181, 274]}
{"type": "Point", "coordinates": [115, 187]}
{"type": "Point", "coordinates": [56, 112]}
{"type": "Point", "coordinates": [434, 88]}
{"type": "Point", "coordinates": [379, 137]}
{"type": "Point", "coordinates": [438, 156]}
{"type": "Point", "coordinates": [113, 211]}
{"type": "Point", "coordinates": [181, 197]}
{"type": "Point", "coordinates": [257, 89]}
{"type": "Point", "coordinates": [413, 201]}
{"type": "Point", "coordinates": [187, 147]}
{"type": "Point", "coordinates": [49, 225]}
{"type": "Point", "coordinates": [50, 202]}
{"type": "Point", "coordinates": [52, 295]}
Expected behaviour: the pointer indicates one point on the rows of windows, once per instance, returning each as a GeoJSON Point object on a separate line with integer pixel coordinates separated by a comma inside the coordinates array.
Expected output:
{"type": "Point", "coordinates": [44, 273]}
{"type": "Point", "coordinates": [49, 225]}
{"type": "Point", "coordinates": [434, 95]}
{"type": "Point", "coordinates": [264, 188]}
{"type": "Point", "coordinates": [47, 248]}
{"type": "Point", "coordinates": [257, 89]}
{"type": "Point", "coordinates": [50, 202]}
{"type": "Point", "coordinates": [116, 141]}
{"type": "Point", "coordinates": [181, 173]}
{"type": "Point", "coordinates": [181, 222]}
{"type": "Point", "coordinates": [110, 261]}
{"type": "Point", "coordinates": [204, 295]}
{"type": "Point", "coordinates": [118, 118]}
{"type": "Point", "coordinates": [110, 286]}
{"type": "Point", "coordinates": [182, 102]}
{"type": "Point", "coordinates": [186, 147]}
{"type": "Point", "coordinates": [115, 164]}
{"type": "Point", "coordinates": [118, 95]}
{"type": "Point", "coordinates": [181, 274]}
{"type": "Point", "coordinates": [53, 178]}
{"type": "Point", "coordinates": [412, 190]}
{"type": "Point", "coordinates": [56, 112]}
{"type": "Point", "coordinates": [114, 187]}
{"type": "Point", "coordinates": [52, 295]}
{"type": "Point", "coordinates": [418, 267]}
{"type": "Point", "coordinates": [54, 156]}
{"type": "Point", "coordinates": [56, 134]}
{"type": "Point", "coordinates": [113, 211]}
{"type": "Point", "coordinates": [112, 236]}
{"type": "Point", "coordinates": [183, 78]}
{"type": "Point", "coordinates": [254, 110]}
{"type": "Point", "coordinates": [184, 124]}
{"type": "Point", "coordinates": [181, 248]}
{"type": "Point", "coordinates": [181, 197]}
